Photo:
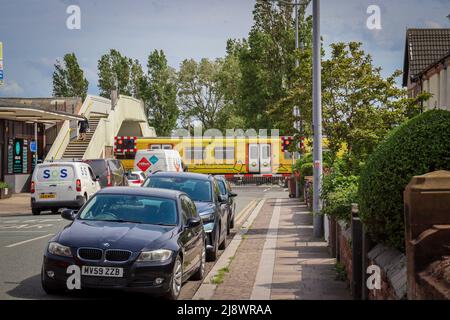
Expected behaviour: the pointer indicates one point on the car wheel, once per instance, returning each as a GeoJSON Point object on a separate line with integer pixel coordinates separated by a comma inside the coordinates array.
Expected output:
{"type": "Point", "coordinates": [176, 281]}
{"type": "Point", "coordinates": [50, 289]}
{"type": "Point", "coordinates": [232, 223]}
{"type": "Point", "coordinates": [199, 274]}
{"type": "Point", "coordinates": [228, 225]}
{"type": "Point", "coordinates": [212, 254]}
{"type": "Point", "coordinates": [35, 212]}
{"type": "Point", "coordinates": [223, 244]}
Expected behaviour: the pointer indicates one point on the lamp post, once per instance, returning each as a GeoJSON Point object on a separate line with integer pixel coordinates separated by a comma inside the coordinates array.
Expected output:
{"type": "Point", "coordinates": [317, 121]}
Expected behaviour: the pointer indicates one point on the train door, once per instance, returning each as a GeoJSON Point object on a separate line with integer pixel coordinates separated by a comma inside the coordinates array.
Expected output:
{"type": "Point", "coordinates": [265, 158]}
{"type": "Point", "coordinates": [253, 158]}
{"type": "Point", "coordinates": [259, 158]}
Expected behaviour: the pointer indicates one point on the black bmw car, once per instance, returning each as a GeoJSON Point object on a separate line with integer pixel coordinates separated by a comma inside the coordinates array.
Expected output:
{"type": "Point", "coordinates": [211, 205]}
{"type": "Point", "coordinates": [138, 239]}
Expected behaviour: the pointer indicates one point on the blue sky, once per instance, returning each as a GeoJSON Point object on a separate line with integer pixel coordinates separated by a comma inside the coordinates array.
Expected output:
{"type": "Point", "coordinates": [34, 32]}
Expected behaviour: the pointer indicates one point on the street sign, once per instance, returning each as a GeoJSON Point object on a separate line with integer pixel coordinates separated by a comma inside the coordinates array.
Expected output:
{"type": "Point", "coordinates": [144, 164]}
{"type": "Point", "coordinates": [33, 146]}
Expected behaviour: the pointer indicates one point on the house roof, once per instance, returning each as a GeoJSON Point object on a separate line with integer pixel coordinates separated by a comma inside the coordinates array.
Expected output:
{"type": "Point", "coordinates": [424, 47]}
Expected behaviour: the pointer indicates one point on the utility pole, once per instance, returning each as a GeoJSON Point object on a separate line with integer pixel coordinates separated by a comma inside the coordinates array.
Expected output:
{"type": "Point", "coordinates": [317, 121]}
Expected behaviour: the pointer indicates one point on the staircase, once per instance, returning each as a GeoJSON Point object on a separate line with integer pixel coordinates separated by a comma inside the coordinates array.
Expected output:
{"type": "Point", "coordinates": [76, 148]}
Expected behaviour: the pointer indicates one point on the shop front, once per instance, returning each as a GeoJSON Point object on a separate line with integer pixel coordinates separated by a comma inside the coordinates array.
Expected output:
{"type": "Point", "coordinates": [22, 141]}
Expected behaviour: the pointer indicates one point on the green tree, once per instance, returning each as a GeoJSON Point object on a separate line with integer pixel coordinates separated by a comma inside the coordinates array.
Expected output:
{"type": "Point", "coordinates": [267, 62]}
{"type": "Point", "coordinates": [158, 90]}
{"type": "Point", "coordinates": [68, 78]}
{"type": "Point", "coordinates": [359, 106]}
{"type": "Point", "coordinates": [114, 67]}
{"type": "Point", "coordinates": [205, 92]}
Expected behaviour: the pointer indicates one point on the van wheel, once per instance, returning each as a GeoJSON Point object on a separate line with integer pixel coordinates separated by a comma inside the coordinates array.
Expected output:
{"type": "Point", "coordinates": [35, 212]}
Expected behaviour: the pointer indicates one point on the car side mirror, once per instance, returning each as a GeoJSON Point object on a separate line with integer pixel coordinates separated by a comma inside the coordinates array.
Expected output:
{"type": "Point", "coordinates": [223, 198]}
{"type": "Point", "coordinates": [69, 214]}
{"type": "Point", "coordinates": [194, 222]}
{"type": "Point", "coordinates": [233, 195]}
{"type": "Point", "coordinates": [97, 178]}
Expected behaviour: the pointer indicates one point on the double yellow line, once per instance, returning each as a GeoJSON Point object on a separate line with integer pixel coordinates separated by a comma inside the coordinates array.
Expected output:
{"type": "Point", "coordinates": [244, 213]}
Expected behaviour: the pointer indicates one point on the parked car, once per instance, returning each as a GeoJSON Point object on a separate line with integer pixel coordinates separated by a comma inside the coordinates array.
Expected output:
{"type": "Point", "coordinates": [225, 191]}
{"type": "Point", "coordinates": [154, 160]}
{"type": "Point", "coordinates": [62, 185]}
{"type": "Point", "coordinates": [135, 178]}
{"type": "Point", "coordinates": [204, 191]}
{"type": "Point", "coordinates": [110, 171]}
{"type": "Point", "coordinates": [146, 240]}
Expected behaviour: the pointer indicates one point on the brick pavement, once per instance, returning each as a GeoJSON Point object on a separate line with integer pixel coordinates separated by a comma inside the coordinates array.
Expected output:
{"type": "Point", "coordinates": [302, 268]}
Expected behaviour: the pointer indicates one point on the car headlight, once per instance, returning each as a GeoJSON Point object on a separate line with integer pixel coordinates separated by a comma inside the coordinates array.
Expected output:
{"type": "Point", "coordinates": [59, 250]}
{"type": "Point", "coordinates": [207, 216]}
{"type": "Point", "coordinates": [155, 255]}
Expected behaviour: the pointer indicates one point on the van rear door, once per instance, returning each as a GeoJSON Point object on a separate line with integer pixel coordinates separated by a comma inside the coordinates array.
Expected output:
{"type": "Point", "coordinates": [55, 182]}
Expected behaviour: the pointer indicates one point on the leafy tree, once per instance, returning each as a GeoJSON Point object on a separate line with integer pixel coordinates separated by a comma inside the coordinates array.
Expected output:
{"type": "Point", "coordinates": [359, 106]}
{"type": "Point", "coordinates": [113, 67]}
{"type": "Point", "coordinates": [158, 90]}
{"type": "Point", "coordinates": [204, 92]}
{"type": "Point", "coordinates": [267, 61]}
{"type": "Point", "coordinates": [68, 78]}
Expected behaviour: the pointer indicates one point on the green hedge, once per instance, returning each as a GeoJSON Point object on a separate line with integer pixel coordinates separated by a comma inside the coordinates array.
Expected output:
{"type": "Point", "coordinates": [3, 185]}
{"type": "Point", "coordinates": [419, 146]}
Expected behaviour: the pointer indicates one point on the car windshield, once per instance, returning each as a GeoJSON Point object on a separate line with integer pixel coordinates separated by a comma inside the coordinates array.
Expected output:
{"type": "Point", "coordinates": [197, 190]}
{"type": "Point", "coordinates": [131, 208]}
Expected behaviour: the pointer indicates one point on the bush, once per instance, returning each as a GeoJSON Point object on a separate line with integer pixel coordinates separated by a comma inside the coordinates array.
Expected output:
{"type": "Point", "coordinates": [3, 185]}
{"type": "Point", "coordinates": [339, 191]}
{"type": "Point", "coordinates": [419, 146]}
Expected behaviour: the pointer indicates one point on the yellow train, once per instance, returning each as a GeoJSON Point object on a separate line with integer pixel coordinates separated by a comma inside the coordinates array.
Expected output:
{"type": "Point", "coordinates": [249, 156]}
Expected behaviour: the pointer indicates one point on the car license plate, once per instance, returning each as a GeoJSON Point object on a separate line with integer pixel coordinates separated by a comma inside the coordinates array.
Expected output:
{"type": "Point", "coordinates": [47, 196]}
{"type": "Point", "coordinates": [102, 272]}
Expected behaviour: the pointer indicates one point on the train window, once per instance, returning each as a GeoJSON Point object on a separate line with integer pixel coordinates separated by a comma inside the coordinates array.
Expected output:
{"type": "Point", "coordinates": [224, 153]}
{"type": "Point", "coordinates": [167, 147]}
{"type": "Point", "coordinates": [266, 152]}
{"type": "Point", "coordinates": [155, 147]}
{"type": "Point", "coordinates": [195, 153]}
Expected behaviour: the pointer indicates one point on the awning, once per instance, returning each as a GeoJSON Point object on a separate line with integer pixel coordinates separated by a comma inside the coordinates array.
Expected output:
{"type": "Point", "coordinates": [32, 113]}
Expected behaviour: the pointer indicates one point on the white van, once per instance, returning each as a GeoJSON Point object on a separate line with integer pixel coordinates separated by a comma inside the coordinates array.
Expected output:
{"type": "Point", "coordinates": [62, 185]}
{"type": "Point", "coordinates": [149, 161]}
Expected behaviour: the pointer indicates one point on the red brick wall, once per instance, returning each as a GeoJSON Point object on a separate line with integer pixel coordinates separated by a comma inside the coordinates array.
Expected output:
{"type": "Point", "coordinates": [345, 253]}
{"type": "Point", "coordinates": [386, 292]}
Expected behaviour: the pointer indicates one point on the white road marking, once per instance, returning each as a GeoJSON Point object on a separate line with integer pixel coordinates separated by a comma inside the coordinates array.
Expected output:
{"type": "Point", "coordinates": [263, 282]}
{"type": "Point", "coordinates": [29, 240]}
{"type": "Point", "coordinates": [25, 226]}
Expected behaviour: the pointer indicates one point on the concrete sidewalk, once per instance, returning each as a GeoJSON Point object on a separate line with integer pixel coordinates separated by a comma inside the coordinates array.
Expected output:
{"type": "Point", "coordinates": [18, 204]}
{"type": "Point", "coordinates": [278, 258]}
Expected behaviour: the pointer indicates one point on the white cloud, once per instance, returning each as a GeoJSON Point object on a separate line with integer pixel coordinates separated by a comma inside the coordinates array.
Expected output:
{"type": "Point", "coordinates": [10, 88]}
